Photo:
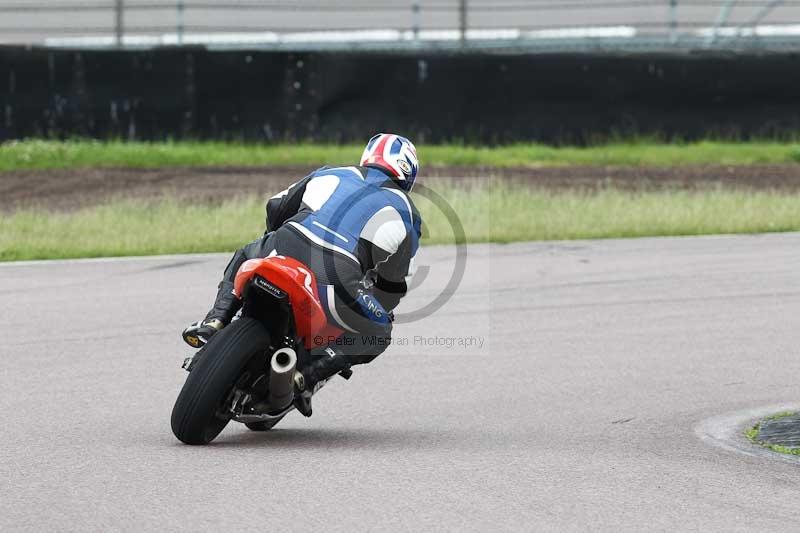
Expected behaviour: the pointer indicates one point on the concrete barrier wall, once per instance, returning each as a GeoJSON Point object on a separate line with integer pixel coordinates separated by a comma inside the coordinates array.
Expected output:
{"type": "Point", "coordinates": [194, 93]}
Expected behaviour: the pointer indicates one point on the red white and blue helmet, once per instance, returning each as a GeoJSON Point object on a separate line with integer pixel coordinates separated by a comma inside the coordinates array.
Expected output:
{"type": "Point", "coordinates": [395, 155]}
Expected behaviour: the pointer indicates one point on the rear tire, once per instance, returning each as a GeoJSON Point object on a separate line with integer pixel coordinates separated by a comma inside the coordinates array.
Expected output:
{"type": "Point", "coordinates": [194, 418]}
{"type": "Point", "coordinates": [262, 426]}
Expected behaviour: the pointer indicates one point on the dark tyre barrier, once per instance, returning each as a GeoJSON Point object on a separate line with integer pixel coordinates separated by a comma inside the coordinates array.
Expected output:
{"type": "Point", "coordinates": [195, 93]}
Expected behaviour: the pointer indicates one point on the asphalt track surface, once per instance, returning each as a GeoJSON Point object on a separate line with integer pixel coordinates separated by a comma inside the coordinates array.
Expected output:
{"type": "Point", "coordinates": [580, 411]}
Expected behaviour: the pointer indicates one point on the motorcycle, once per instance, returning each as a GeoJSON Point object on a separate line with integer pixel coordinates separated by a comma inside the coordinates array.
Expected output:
{"type": "Point", "coordinates": [248, 370]}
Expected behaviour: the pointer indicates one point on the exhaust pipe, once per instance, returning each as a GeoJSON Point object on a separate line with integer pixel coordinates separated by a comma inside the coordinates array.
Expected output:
{"type": "Point", "coordinates": [281, 378]}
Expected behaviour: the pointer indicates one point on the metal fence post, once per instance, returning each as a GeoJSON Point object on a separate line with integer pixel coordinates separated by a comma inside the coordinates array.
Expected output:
{"type": "Point", "coordinates": [119, 17]}
{"type": "Point", "coordinates": [179, 29]}
{"type": "Point", "coordinates": [415, 19]}
{"type": "Point", "coordinates": [722, 19]}
{"type": "Point", "coordinates": [673, 21]}
{"type": "Point", "coordinates": [462, 20]}
{"type": "Point", "coordinates": [757, 18]}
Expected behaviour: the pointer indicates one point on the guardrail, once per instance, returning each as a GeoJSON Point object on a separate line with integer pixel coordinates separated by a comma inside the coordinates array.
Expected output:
{"type": "Point", "coordinates": [385, 24]}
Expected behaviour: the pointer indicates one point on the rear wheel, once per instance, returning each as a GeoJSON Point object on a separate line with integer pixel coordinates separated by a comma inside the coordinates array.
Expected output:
{"type": "Point", "coordinates": [196, 417]}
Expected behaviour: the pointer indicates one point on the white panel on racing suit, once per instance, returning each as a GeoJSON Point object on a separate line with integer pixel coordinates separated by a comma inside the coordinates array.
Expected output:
{"type": "Point", "coordinates": [405, 199]}
{"type": "Point", "coordinates": [316, 240]}
{"type": "Point", "coordinates": [412, 269]}
{"type": "Point", "coordinates": [385, 229]}
{"type": "Point", "coordinates": [319, 190]}
{"type": "Point", "coordinates": [331, 297]}
{"type": "Point", "coordinates": [281, 194]}
{"type": "Point", "coordinates": [356, 172]}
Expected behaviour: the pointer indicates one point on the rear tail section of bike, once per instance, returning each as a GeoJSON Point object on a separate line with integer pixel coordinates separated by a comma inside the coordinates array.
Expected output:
{"type": "Point", "coordinates": [246, 372]}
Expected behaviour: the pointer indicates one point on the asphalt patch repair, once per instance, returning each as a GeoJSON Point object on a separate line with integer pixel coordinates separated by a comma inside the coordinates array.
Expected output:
{"type": "Point", "coordinates": [66, 190]}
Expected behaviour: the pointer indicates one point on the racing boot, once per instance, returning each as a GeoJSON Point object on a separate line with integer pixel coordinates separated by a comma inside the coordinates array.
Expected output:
{"type": "Point", "coordinates": [225, 307]}
{"type": "Point", "coordinates": [310, 379]}
{"type": "Point", "coordinates": [198, 334]}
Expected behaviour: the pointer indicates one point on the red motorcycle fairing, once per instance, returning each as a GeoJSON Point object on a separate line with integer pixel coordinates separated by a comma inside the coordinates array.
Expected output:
{"type": "Point", "coordinates": [300, 283]}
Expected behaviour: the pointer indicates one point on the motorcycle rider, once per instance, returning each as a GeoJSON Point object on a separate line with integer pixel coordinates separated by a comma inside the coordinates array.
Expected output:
{"type": "Point", "coordinates": [357, 229]}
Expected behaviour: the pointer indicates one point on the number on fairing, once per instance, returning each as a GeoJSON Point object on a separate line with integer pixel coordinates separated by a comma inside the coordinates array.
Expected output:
{"type": "Point", "coordinates": [308, 280]}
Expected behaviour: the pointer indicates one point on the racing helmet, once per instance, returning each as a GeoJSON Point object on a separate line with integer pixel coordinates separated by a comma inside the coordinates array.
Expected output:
{"type": "Point", "coordinates": [394, 155]}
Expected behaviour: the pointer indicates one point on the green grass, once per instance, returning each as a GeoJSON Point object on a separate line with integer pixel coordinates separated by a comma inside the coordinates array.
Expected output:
{"type": "Point", "coordinates": [492, 212]}
{"type": "Point", "coordinates": [505, 214]}
{"type": "Point", "coordinates": [33, 154]}
{"type": "Point", "coordinates": [752, 434]}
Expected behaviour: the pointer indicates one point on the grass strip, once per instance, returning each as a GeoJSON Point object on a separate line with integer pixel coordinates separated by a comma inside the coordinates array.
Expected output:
{"type": "Point", "coordinates": [75, 154]}
{"type": "Point", "coordinates": [495, 212]}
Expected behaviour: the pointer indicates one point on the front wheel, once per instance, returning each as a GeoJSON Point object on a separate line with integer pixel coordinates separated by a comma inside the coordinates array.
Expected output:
{"type": "Point", "coordinates": [196, 417]}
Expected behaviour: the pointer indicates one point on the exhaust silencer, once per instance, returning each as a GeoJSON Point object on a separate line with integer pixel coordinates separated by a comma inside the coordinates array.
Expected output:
{"type": "Point", "coordinates": [281, 378]}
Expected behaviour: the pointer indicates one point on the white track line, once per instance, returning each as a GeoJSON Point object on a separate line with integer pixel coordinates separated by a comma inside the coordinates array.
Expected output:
{"type": "Point", "coordinates": [548, 244]}
{"type": "Point", "coordinates": [122, 259]}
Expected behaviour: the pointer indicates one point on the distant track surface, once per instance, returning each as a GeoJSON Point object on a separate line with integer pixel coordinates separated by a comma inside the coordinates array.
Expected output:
{"type": "Point", "coordinates": [578, 412]}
